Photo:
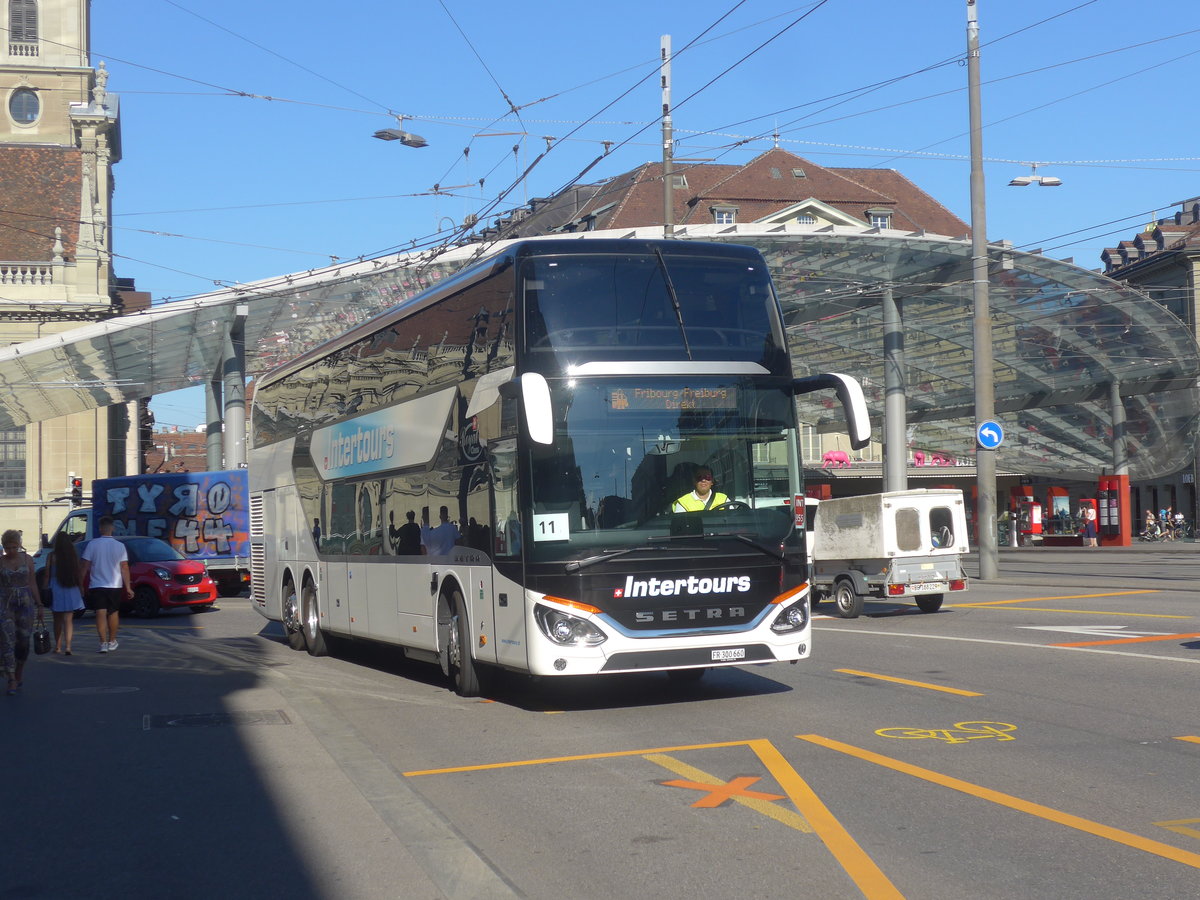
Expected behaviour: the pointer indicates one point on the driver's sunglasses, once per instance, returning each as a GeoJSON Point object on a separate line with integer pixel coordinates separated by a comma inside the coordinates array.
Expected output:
{"type": "Point", "coordinates": [703, 478]}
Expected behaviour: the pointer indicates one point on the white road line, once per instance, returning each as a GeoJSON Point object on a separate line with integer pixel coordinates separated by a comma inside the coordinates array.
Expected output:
{"type": "Point", "coordinates": [944, 637]}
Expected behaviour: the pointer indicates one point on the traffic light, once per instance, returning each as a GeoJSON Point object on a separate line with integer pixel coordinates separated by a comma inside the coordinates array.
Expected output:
{"type": "Point", "coordinates": [76, 491]}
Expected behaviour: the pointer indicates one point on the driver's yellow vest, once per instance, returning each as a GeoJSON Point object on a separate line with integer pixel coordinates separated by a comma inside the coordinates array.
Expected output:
{"type": "Point", "coordinates": [689, 502]}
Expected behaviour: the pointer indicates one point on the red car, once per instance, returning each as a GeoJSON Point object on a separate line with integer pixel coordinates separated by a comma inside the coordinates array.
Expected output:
{"type": "Point", "coordinates": [163, 578]}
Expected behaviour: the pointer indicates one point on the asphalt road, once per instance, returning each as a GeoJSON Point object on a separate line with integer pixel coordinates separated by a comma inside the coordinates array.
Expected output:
{"type": "Point", "coordinates": [1037, 738]}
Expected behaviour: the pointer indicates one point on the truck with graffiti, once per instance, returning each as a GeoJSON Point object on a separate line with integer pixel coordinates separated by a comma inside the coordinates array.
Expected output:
{"type": "Point", "coordinates": [203, 515]}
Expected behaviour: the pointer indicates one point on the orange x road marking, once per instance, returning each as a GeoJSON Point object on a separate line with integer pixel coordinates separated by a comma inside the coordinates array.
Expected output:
{"type": "Point", "coordinates": [721, 793]}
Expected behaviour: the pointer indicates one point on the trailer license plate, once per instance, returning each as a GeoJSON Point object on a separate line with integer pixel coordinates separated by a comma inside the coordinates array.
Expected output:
{"type": "Point", "coordinates": [729, 655]}
{"type": "Point", "coordinates": [927, 587]}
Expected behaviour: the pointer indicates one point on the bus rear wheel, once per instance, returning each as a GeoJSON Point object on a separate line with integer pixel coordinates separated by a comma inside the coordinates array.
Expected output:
{"type": "Point", "coordinates": [313, 636]}
{"type": "Point", "coordinates": [292, 626]}
{"type": "Point", "coordinates": [458, 663]}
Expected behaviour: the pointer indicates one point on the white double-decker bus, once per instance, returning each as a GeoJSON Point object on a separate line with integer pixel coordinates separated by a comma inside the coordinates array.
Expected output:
{"type": "Point", "coordinates": [556, 400]}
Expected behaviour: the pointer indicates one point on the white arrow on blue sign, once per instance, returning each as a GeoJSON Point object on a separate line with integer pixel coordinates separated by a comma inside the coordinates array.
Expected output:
{"type": "Point", "coordinates": [989, 434]}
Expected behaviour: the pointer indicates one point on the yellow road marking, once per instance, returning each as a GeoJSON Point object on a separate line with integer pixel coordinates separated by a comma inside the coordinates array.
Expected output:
{"type": "Point", "coordinates": [1179, 826]}
{"type": "Point", "coordinates": [1137, 842]}
{"type": "Point", "coordinates": [771, 810]}
{"type": "Point", "coordinates": [860, 867]}
{"type": "Point", "coordinates": [1063, 597]}
{"type": "Point", "coordinates": [920, 684]}
{"type": "Point", "coordinates": [1190, 737]}
{"type": "Point", "coordinates": [560, 759]}
{"type": "Point", "coordinates": [1144, 639]}
{"type": "Point", "coordinates": [1091, 612]}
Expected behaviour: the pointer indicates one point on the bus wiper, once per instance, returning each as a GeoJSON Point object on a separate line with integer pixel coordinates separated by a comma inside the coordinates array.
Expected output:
{"type": "Point", "coordinates": [662, 263]}
{"type": "Point", "coordinates": [746, 539]}
{"type": "Point", "coordinates": [606, 555]}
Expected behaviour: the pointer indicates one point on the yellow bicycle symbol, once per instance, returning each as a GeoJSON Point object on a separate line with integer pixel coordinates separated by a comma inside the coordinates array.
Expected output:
{"type": "Point", "coordinates": [959, 734]}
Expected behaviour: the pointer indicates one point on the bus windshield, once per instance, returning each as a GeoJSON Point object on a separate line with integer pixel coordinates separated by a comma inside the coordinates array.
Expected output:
{"type": "Point", "coordinates": [626, 450]}
{"type": "Point", "coordinates": [649, 306]}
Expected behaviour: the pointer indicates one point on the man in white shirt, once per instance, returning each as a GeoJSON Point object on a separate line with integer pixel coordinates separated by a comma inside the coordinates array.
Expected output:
{"type": "Point", "coordinates": [106, 572]}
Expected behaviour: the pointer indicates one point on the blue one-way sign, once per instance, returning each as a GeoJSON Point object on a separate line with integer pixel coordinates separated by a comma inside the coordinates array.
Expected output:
{"type": "Point", "coordinates": [989, 435]}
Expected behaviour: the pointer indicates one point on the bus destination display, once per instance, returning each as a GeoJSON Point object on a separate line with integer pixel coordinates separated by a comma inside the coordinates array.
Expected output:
{"type": "Point", "coordinates": [639, 399]}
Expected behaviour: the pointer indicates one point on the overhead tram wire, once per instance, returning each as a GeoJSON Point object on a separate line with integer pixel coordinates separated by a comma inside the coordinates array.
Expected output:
{"type": "Point", "coordinates": [265, 49]}
{"type": "Point", "coordinates": [491, 206]}
{"type": "Point", "coordinates": [862, 91]}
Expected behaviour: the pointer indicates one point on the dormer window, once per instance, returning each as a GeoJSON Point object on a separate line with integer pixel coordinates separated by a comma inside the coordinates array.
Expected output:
{"type": "Point", "coordinates": [880, 218]}
{"type": "Point", "coordinates": [679, 182]}
{"type": "Point", "coordinates": [724, 215]}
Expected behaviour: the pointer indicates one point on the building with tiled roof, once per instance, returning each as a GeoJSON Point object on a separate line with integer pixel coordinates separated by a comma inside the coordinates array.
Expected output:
{"type": "Point", "coordinates": [776, 187]}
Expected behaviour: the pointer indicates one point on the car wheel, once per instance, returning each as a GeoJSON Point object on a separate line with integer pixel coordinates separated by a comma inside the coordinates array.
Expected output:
{"type": "Point", "coordinates": [145, 602]}
{"type": "Point", "coordinates": [849, 602]}
{"type": "Point", "coordinates": [314, 638]}
{"type": "Point", "coordinates": [459, 664]}
{"type": "Point", "coordinates": [292, 626]}
{"type": "Point", "coordinates": [929, 603]}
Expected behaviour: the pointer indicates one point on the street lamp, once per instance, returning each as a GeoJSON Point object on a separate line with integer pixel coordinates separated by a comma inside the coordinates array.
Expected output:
{"type": "Point", "coordinates": [407, 138]}
{"type": "Point", "coordinates": [1035, 178]}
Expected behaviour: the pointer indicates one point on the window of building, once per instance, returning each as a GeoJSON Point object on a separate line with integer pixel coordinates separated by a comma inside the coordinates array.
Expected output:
{"type": "Point", "coordinates": [678, 182]}
{"type": "Point", "coordinates": [22, 21]}
{"type": "Point", "coordinates": [24, 106]}
{"type": "Point", "coordinates": [880, 218]}
{"type": "Point", "coordinates": [775, 173]}
{"type": "Point", "coordinates": [798, 173]}
{"type": "Point", "coordinates": [724, 216]}
{"type": "Point", "coordinates": [806, 219]}
{"type": "Point", "coordinates": [12, 463]}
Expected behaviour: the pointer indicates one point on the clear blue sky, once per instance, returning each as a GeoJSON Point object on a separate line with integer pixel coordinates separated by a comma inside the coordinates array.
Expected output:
{"type": "Point", "coordinates": [220, 184]}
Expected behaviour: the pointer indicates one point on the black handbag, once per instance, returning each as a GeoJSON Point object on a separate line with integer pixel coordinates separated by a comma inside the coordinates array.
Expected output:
{"type": "Point", "coordinates": [41, 636]}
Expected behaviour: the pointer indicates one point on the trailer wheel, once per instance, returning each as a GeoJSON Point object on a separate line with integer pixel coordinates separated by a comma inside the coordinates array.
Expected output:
{"type": "Point", "coordinates": [929, 603]}
{"type": "Point", "coordinates": [848, 601]}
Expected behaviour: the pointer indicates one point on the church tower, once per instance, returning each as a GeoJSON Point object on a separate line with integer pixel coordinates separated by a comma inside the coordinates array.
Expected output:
{"type": "Point", "coordinates": [59, 139]}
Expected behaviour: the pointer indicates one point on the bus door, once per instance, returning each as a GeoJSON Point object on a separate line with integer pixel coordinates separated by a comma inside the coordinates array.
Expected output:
{"type": "Point", "coordinates": [508, 595]}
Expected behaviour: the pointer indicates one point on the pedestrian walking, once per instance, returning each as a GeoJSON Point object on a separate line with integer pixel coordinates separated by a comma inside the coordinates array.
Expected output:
{"type": "Point", "coordinates": [64, 579]}
{"type": "Point", "coordinates": [106, 573]}
{"type": "Point", "coordinates": [18, 598]}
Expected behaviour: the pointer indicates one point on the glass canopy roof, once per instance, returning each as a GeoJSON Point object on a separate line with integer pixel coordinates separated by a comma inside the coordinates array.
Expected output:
{"type": "Point", "coordinates": [1061, 336]}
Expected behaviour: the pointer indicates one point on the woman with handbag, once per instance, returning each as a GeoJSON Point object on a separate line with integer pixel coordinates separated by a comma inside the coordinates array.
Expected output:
{"type": "Point", "coordinates": [63, 581]}
{"type": "Point", "coordinates": [18, 597]}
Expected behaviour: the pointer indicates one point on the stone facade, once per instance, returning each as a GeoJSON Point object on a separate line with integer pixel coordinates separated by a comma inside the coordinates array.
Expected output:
{"type": "Point", "coordinates": [59, 138]}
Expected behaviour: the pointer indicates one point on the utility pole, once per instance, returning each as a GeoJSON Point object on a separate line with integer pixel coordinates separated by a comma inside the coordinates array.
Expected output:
{"type": "Point", "coordinates": [985, 388]}
{"type": "Point", "coordinates": [668, 139]}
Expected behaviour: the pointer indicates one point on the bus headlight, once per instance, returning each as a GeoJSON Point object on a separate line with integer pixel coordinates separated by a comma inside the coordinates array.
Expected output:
{"type": "Point", "coordinates": [794, 618]}
{"type": "Point", "coordinates": [567, 630]}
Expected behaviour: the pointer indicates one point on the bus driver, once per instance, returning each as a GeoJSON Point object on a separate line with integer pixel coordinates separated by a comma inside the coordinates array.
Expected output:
{"type": "Point", "coordinates": [703, 496]}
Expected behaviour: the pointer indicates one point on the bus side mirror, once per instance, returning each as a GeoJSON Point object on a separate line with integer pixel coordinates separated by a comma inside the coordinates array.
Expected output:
{"type": "Point", "coordinates": [539, 413]}
{"type": "Point", "coordinates": [854, 404]}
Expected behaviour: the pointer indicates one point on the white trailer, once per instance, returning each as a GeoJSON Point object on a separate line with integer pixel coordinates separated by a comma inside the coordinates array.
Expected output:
{"type": "Point", "coordinates": [893, 545]}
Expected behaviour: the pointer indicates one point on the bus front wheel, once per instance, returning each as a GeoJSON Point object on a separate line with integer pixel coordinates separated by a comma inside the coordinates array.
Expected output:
{"type": "Point", "coordinates": [457, 662]}
{"type": "Point", "coordinates": [313, 636]}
